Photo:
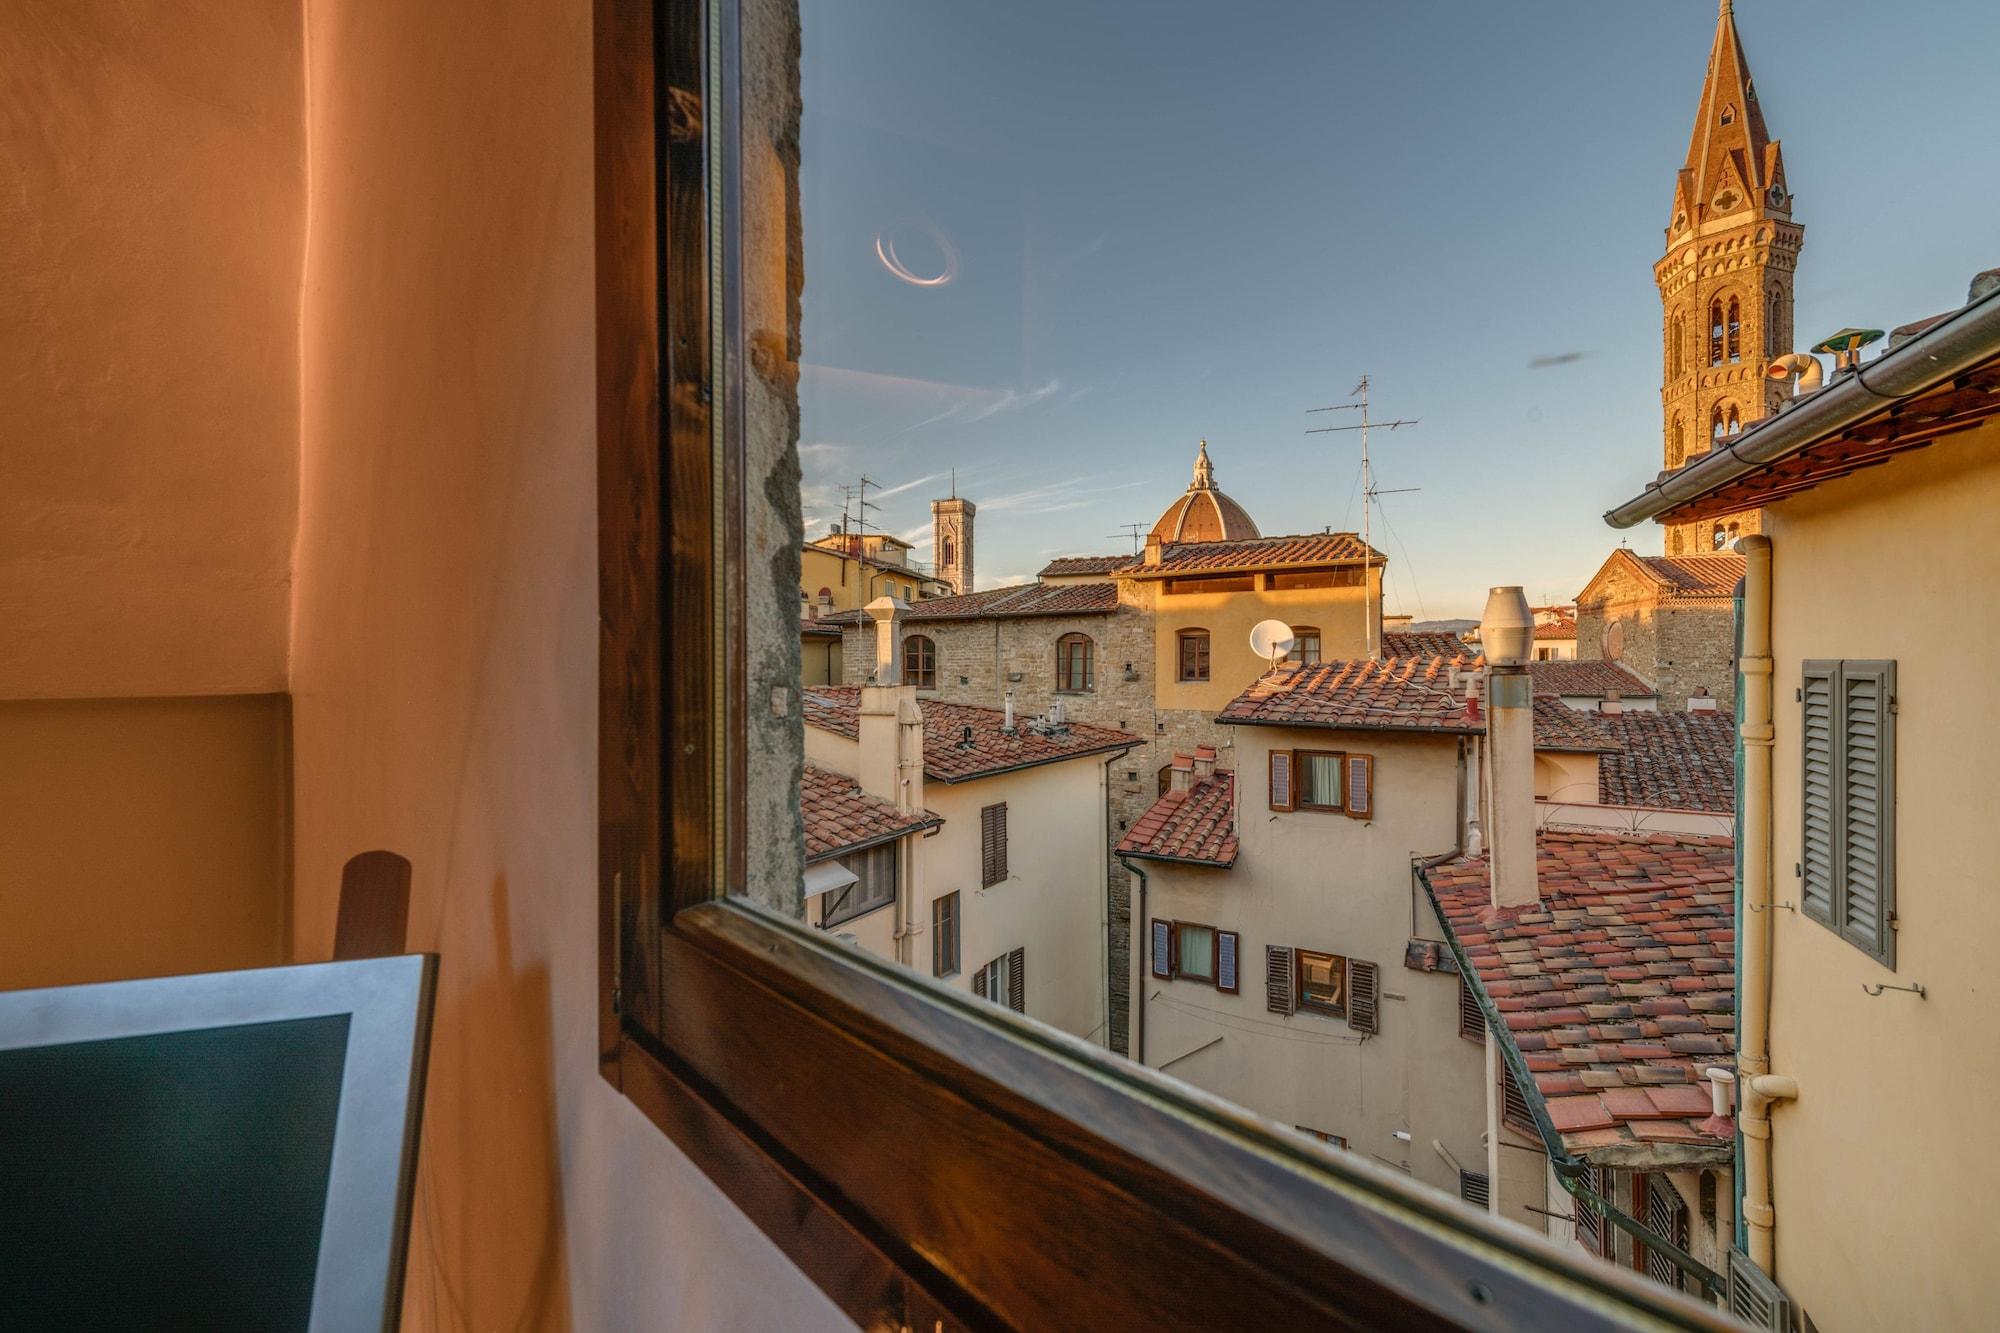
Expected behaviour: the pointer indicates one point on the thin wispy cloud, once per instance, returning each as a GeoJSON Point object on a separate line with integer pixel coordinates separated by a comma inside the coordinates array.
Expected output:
{"type": "Point", "coordinates": [1548, 359]}
{"type": "Point", "coordinates": [984, 404]}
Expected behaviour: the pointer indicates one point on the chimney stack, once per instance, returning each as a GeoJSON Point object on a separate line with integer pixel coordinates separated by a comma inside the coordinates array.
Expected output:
{"type": "Point", "coordinates": [1613, 703]}
{"type": "Point", "coordinates": [890, 724]}
{"type": "Point", "coordinates": [1507, 633]}
{"type": "Point", "coordinates": [1181, 776]}
{"type": "Point", "coordinates": [887, 613]}
{"type": "Point", "coordinates": [1204, 762]}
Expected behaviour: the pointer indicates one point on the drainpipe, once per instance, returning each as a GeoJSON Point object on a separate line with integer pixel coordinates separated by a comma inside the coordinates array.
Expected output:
{"type": "Point", "coordinates": [1142, 930]}
{"type": "Point", "coordinates": [1753, 827]}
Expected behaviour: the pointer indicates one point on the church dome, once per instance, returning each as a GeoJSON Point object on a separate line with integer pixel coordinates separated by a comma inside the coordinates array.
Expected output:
{"type": "Point", "coordinates": [1203, 514]}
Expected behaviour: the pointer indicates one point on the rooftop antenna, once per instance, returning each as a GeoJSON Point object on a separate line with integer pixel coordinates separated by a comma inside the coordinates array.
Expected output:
{"type": "Point", "coordinates": [1131, 530]}
{"type": "Point", "coordinates": [1368, 492]}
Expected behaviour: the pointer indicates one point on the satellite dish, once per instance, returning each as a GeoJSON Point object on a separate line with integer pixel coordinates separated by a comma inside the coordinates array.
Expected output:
{"type": "Point", "coordinates": [1271, 639]}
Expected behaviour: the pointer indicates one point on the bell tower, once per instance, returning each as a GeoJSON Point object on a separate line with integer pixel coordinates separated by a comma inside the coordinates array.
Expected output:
{"type": "Point", "coordinates": [951, 536]}
{"type": "Point", "coordinates": [1725, 281]}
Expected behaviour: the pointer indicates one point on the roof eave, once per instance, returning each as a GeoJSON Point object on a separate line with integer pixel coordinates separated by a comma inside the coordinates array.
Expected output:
{"type": "Point", "coordinates": [1468, 730]}
{"type": "Point", "coordinates": [848, 849]}
{"type": "Point", "coordinates": [1935, 357]}
{"type": "Point", "coordinates": [1118, 747]}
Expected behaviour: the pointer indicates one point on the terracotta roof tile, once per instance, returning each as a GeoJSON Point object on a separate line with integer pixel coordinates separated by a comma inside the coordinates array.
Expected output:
{"type": "Point", "coordinates": [1072, 565]}
{"type": "Point", "coordinates": [948, 756]}
{"type": "Point", "coordinates": [1588, 680]}
{"type": "Point", "coordinates": [1398, 694]}
{"type": "Point", "coordinates": [1312, 549]}
{"type": "Point", "coordinates": [1560, 727]}
{"type": "Point", "coordinates": [1670, 761]}
{"type": "Point", "coordinates": [1198, 824]}
{"type": "Point", "coordinates": [839, 816]}
{"type": "Point", "coordinates": [1603, 896]}
{"type": "Point", "coordinates": [1426, 643]}
{"type": "Point", "coordinates": [1564, 628]}
{"type": "Point", "coordinates": [1696, 576]}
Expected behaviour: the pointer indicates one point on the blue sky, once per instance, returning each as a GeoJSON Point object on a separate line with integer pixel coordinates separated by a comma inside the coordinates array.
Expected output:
{"type": "Point", "coordinates": [1158, 227]}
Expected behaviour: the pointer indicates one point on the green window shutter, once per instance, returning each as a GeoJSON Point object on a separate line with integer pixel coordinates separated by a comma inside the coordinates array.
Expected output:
{"type": "Point", "coordinates": [1816, 866]}
{"type": "Point", "coordinates": [1868, 757]}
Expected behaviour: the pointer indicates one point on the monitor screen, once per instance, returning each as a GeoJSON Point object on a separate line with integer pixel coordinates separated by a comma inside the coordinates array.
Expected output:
{"type": "Point", "coordinates": [175, 1179]}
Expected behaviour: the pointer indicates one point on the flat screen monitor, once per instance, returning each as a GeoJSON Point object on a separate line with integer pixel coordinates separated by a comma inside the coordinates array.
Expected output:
{"type": "Point", "coordinates": [227, 1151]}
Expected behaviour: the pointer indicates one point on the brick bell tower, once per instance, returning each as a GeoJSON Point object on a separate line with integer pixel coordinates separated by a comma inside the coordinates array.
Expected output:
{"type": "Point", "coordinates": [1725, 280]}
{"type": "Point", "coordinates": [951, 535]}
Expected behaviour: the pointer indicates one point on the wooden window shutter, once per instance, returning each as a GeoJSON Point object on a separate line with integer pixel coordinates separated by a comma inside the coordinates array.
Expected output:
{"type": "Point", "coordinates": [1867, 792]}
{"type": "Point", "coordinates": [1361, 786]}
{"type": "Point", "coordinates": [1364, 994]}
{"type": "Point", "coordinates": [1474, 1188]}
{"type": "Point", "coordinates": [1225, 961]}
{"type": "Point", "coordinates": [1589, 1222]}
{"type": "Point", "coordinates": [992, 845]}
{"type": "Point", "coordinates": [1280, 995]}
{"type": "Point", "coordinates": [1163, 949]}
{"type": "Point", "coordinates": [1471, 1018]}
{"type": "Point", "coordinates": [1281, 779]}
{"type": "Point", "coordinates": [1816, 888]}
{"type": "Point", "coordinates": [979, 981]}
{"type": "Point", "coordinates": [1017, 980]}
{"type": "Point", "coordinates": [1514, 1104]}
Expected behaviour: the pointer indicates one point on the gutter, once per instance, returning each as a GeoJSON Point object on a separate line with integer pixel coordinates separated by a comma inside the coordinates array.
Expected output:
{"type": "Point", "coordinates": [1937, 356]}
{"type": "Point", "coordinates": [1569, 1170]}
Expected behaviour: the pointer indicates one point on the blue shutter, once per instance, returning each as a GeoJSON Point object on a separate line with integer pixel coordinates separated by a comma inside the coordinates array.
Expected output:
{"type": "Point", "coordinates": [1163, 943]}
{"type": "Point", "coordinates": [1225, 961]}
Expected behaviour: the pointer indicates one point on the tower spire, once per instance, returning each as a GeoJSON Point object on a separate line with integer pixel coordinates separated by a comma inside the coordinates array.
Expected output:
{"type": "Point", "coordinates": [1732, 162]}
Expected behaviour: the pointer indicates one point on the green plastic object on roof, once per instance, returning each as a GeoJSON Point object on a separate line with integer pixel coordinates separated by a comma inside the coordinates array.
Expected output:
{"type": "Point", "coordinates": [1847, 340]}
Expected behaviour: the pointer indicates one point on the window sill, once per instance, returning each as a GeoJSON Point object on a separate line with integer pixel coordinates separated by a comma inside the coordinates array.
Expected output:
{"type": "Point", "coordinates": [1051, 1146]}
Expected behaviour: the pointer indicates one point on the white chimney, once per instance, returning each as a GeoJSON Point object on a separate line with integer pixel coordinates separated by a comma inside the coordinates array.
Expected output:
{"type": "Point", "coordinates": [890, 724]}
{"type": "Point", "coordinates": [1507, 633]}
{"type": "Point", "coordinates": [1007, 725]}
{"type": "Point", "coordinates": [1181, 776]}
{"type": "Point", "coordinates": [1204, 761]}
{"type": "Point", "coordinates": [887, 613]}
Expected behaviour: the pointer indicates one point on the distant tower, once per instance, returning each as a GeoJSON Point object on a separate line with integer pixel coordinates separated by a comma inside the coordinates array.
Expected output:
{"type": "Point", "coordinates": [951, 531]}
{"type": "Point", "coordinates": [1725, 281]}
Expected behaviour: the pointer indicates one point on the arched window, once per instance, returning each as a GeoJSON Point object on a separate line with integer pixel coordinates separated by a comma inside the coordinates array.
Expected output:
{"type": "Point", "coordinates": [1192, 656]}
{"type": "Point", "coordinates": [1724, 420]}
{"type": "Point", "coordinates": [1305, 644]}
{"type": "Point", "coordinates": [1075, 670]}
{"type": "Point", "coordinates": [1774, 304]}
{"type": "Point", "coordinates": [1166, 778]}
{"type": "Point", "coordinates": [944, 550]}
{"type": "Point", "coordinates": [1715, 332]}
{"type": "Point", "coordinates": [1718, 539]}
{"type": "Point", "coordinates": [1733, 424]}
{"type": "Point", "coordinates": [1735, 330]}
{"type": "Point", "coordinates": [920, 662]}
{"type": "Point", "coordinates": [1679, 546]}
{"type": "Point", "coordinates": [1677, 444]}
{"type": "Point", "coordinates": [1676, 345]}
{"type": "Point", "coordinates": [1614, 641]}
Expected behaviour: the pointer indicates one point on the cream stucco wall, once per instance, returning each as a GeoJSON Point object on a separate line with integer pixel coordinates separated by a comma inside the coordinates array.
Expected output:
{"type": "Point", "coordinates": [1335, 885]}
{"type": "Point", "coordinates": [1886, 1199]}
{"type": "Point", "coordinates": [1229, 616]}
{"type": "Point", "coordinates": [1052, 903]}
{"type": "Point", "coordinates": [445, 660]}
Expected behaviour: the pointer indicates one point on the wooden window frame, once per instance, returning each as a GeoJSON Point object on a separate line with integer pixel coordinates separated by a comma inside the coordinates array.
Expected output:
{"type": "Point", "coordinates": [1180, 972]}
{"type": "Point", "coordinates": [1340, 764]}
{"type": "Point", "coordinates": [992, 846]}
{"type": "Point", "coordinates": [1218, 1217]}
{"type": "Point", "coordinates": [1184, 637]}
{"type": "Point", "coordinates": [1063, 674]}
{"type": "Point", "coordinates": [946, 945]}
{"type": "Point", "coordinates": [827, 919]}
{"type": "Point", "coordinates": [1297, 655]}
{"type": "Point", "coordinates": [920, 666]}
{"type": "Point", "coordinates": [1302, 1005]}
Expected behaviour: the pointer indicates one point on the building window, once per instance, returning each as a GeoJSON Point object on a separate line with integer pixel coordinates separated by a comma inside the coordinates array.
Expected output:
{"type": "Point", "coordinates": [1166, 778]}
{"type": "Point", "coordinates": [1735, 330]}
{"type": "Point", "coordinates": [920, 662]}
{"type": "Point", "coordinates": [1677, 545]}
{"type": "Point", "coordinates": [1471, 1018]}
{"type": "Point", "coordinates": [1590, 1229]}
{"type": "Point", "coordinates": [1212, 583]}
{"type": "Point", "coordinates": [992, 845]}
{"type": "Point", "coordinates": [1847, 868]}
{"type": "Point", "coordinates": [1317, 773]}
{"type": "Point", "coordinates": [1677, 445]}
{"type": "Point", "coordinates": [1193, 655]}
{"type": "Point", "coordinates": [1347, 576]}
{"type": "Point", "coordinates": [1305, 645]}
{"type": "Point", "coordinates": [1191, 951]}
{"type": "Point", "coordinates": [1004, 980]}
{"type": "Point", "coordinates": [1676, 345]}
{"type": "Point", "coordinates": [1337, 1140]}
{"type": "Point", "coordinates": [1514, 1112]}
{"type": "Point", "coordinates": [1715, 332]}
{"type": "Point", "coordinates": [945, 550]}
{"type": "Point", "coordinates": [874, 886]}
{"type": "Point", "coordinates": [1666, 1215]}
{"type": "Point", "coordinates": [1075, 673]}
{"type": "Point", "coordinates": [1474, 1188]}
{"type": "Point", "coordinates": [944, 936]}
{"type": "Point", "coordinates": [1774, 304]}
{"type": "Point", "coordinates": [1322, 982]}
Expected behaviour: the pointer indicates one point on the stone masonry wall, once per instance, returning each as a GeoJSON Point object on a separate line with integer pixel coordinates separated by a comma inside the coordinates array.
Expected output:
{"type": "Point", "coordinates": [1677, 646]}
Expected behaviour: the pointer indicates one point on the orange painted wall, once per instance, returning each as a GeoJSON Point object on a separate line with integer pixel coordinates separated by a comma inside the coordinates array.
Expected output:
{"type": "Point", "coordinates": [445, 660]}
{"type": "Point", "coordinates": [151, 225]}
{"type": "Point", "coordinates": [141, 837]}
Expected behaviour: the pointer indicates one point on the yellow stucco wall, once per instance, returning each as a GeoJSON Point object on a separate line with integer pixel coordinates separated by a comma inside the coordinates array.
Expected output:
{"type": "Point", "coordinates": [852, 582]}
{"type": "Point", "coordinates": [1887, 1197]}
{"type": "Point", "coordinates": [1228, 618]}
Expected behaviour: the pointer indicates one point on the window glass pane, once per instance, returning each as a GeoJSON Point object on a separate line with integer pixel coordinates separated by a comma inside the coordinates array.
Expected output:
{"type": "Point", "coordinates": [1197, 946]}
{"type": "Point", "coordinates": [1322, 981]}
{"type": "Point", "coordinates": [875, 886]}
{"type": "Point", "coordinates": [1319, 779]}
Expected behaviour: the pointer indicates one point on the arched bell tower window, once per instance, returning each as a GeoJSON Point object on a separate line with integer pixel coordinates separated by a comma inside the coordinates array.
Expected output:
{"type": "Point", "coordinates": [1676, 344]}
{"type": "Point", "coordinates": [1774, 301]}
{"type": "Point", "coordinates": [1735, 331]}
{"type": "Point", "coordinates": [945, 550]}
{"type": "Point", "coordinates": [1724, 420]}
{"type": "Point", "coordinates": [1715, 332]}
{"type": "Point", "coordinates": [1677, 445]}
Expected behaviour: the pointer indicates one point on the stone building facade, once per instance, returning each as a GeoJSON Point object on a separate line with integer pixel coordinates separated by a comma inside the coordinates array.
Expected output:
{"type": "Point", "coordinates": [1725, 281]}
{"type": "Point", "coordinates": [1672, 622]}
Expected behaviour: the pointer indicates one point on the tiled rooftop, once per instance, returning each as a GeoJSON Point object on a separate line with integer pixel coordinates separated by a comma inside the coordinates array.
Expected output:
{"type": "Point", "coordinates": [1560, 727]}
{"type": "Point", "coordinates": [1670, 761]}
{"type": "Point", "coordinates": [1564, 629]}
{"type": "Point", "coordinates": [1423, 643]}
{"type": "Point", "coordinates": [1400, 694]}
{"type": "Point", "coordinates": [1618, 988]}
{"type": "Point", "coordinates": [1312, 549]}
{"type": "Point", "coordinates": [948, 756]}
{"type": "Point", "coordinates": [1696, 576]}
{"type": "Point", "coordinates": [1588, 680]}
{"type": "Point", "coordinates": [1198, 824]}
{"type": "Point", "coordinates": [839, 816]}
{"type": "Point", "coordinates": [1022, 599]}
{"type": "Point", "coordinates": [1069, 566]}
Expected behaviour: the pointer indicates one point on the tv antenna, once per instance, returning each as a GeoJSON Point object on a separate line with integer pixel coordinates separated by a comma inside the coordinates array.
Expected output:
{"type": "Point", "coordinates": [1368, 491]}
{"type": "Point", "coordinates": [1131, 530]}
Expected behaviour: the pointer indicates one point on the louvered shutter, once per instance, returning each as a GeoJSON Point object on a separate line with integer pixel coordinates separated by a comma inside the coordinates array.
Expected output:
{"type": "Point", "coordinates": [1017, 980]}
{"type": "Point", "coordinates": [1281, 779]}
{"type": "Point", "coordinates": [1755, 1298]}
{"type": "Point", "coordinates": [1280, 996]}
{"type": "Point", "coordinates": [1666, 1216]}
{"type": "Point", "coordinates": [1816, 865]}
{"type": "Point", "coordinates": [992, 845]}
{"type": "Point", "coordinates": [1589, 1222]}
{"type": "Point", "coordinates": [1225, 961]}
{"type": "Point", "coordinates": [1867, 827]}
{"type": "Point", "coordinates": [1514, 1104]}
{"type": "Point", "coordinates": [1163, 949]}
{"type": "Point", "coordinates": [1361, 786]}
{"type": "Point", "coordinates": [1471, 1018]}
{"type": "Point", "coordinates": [979, 981]}
{"type": "Point", "coordinates": [1364, 993]}
{"type": "Point", "coordinates": [1474, 1188]}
